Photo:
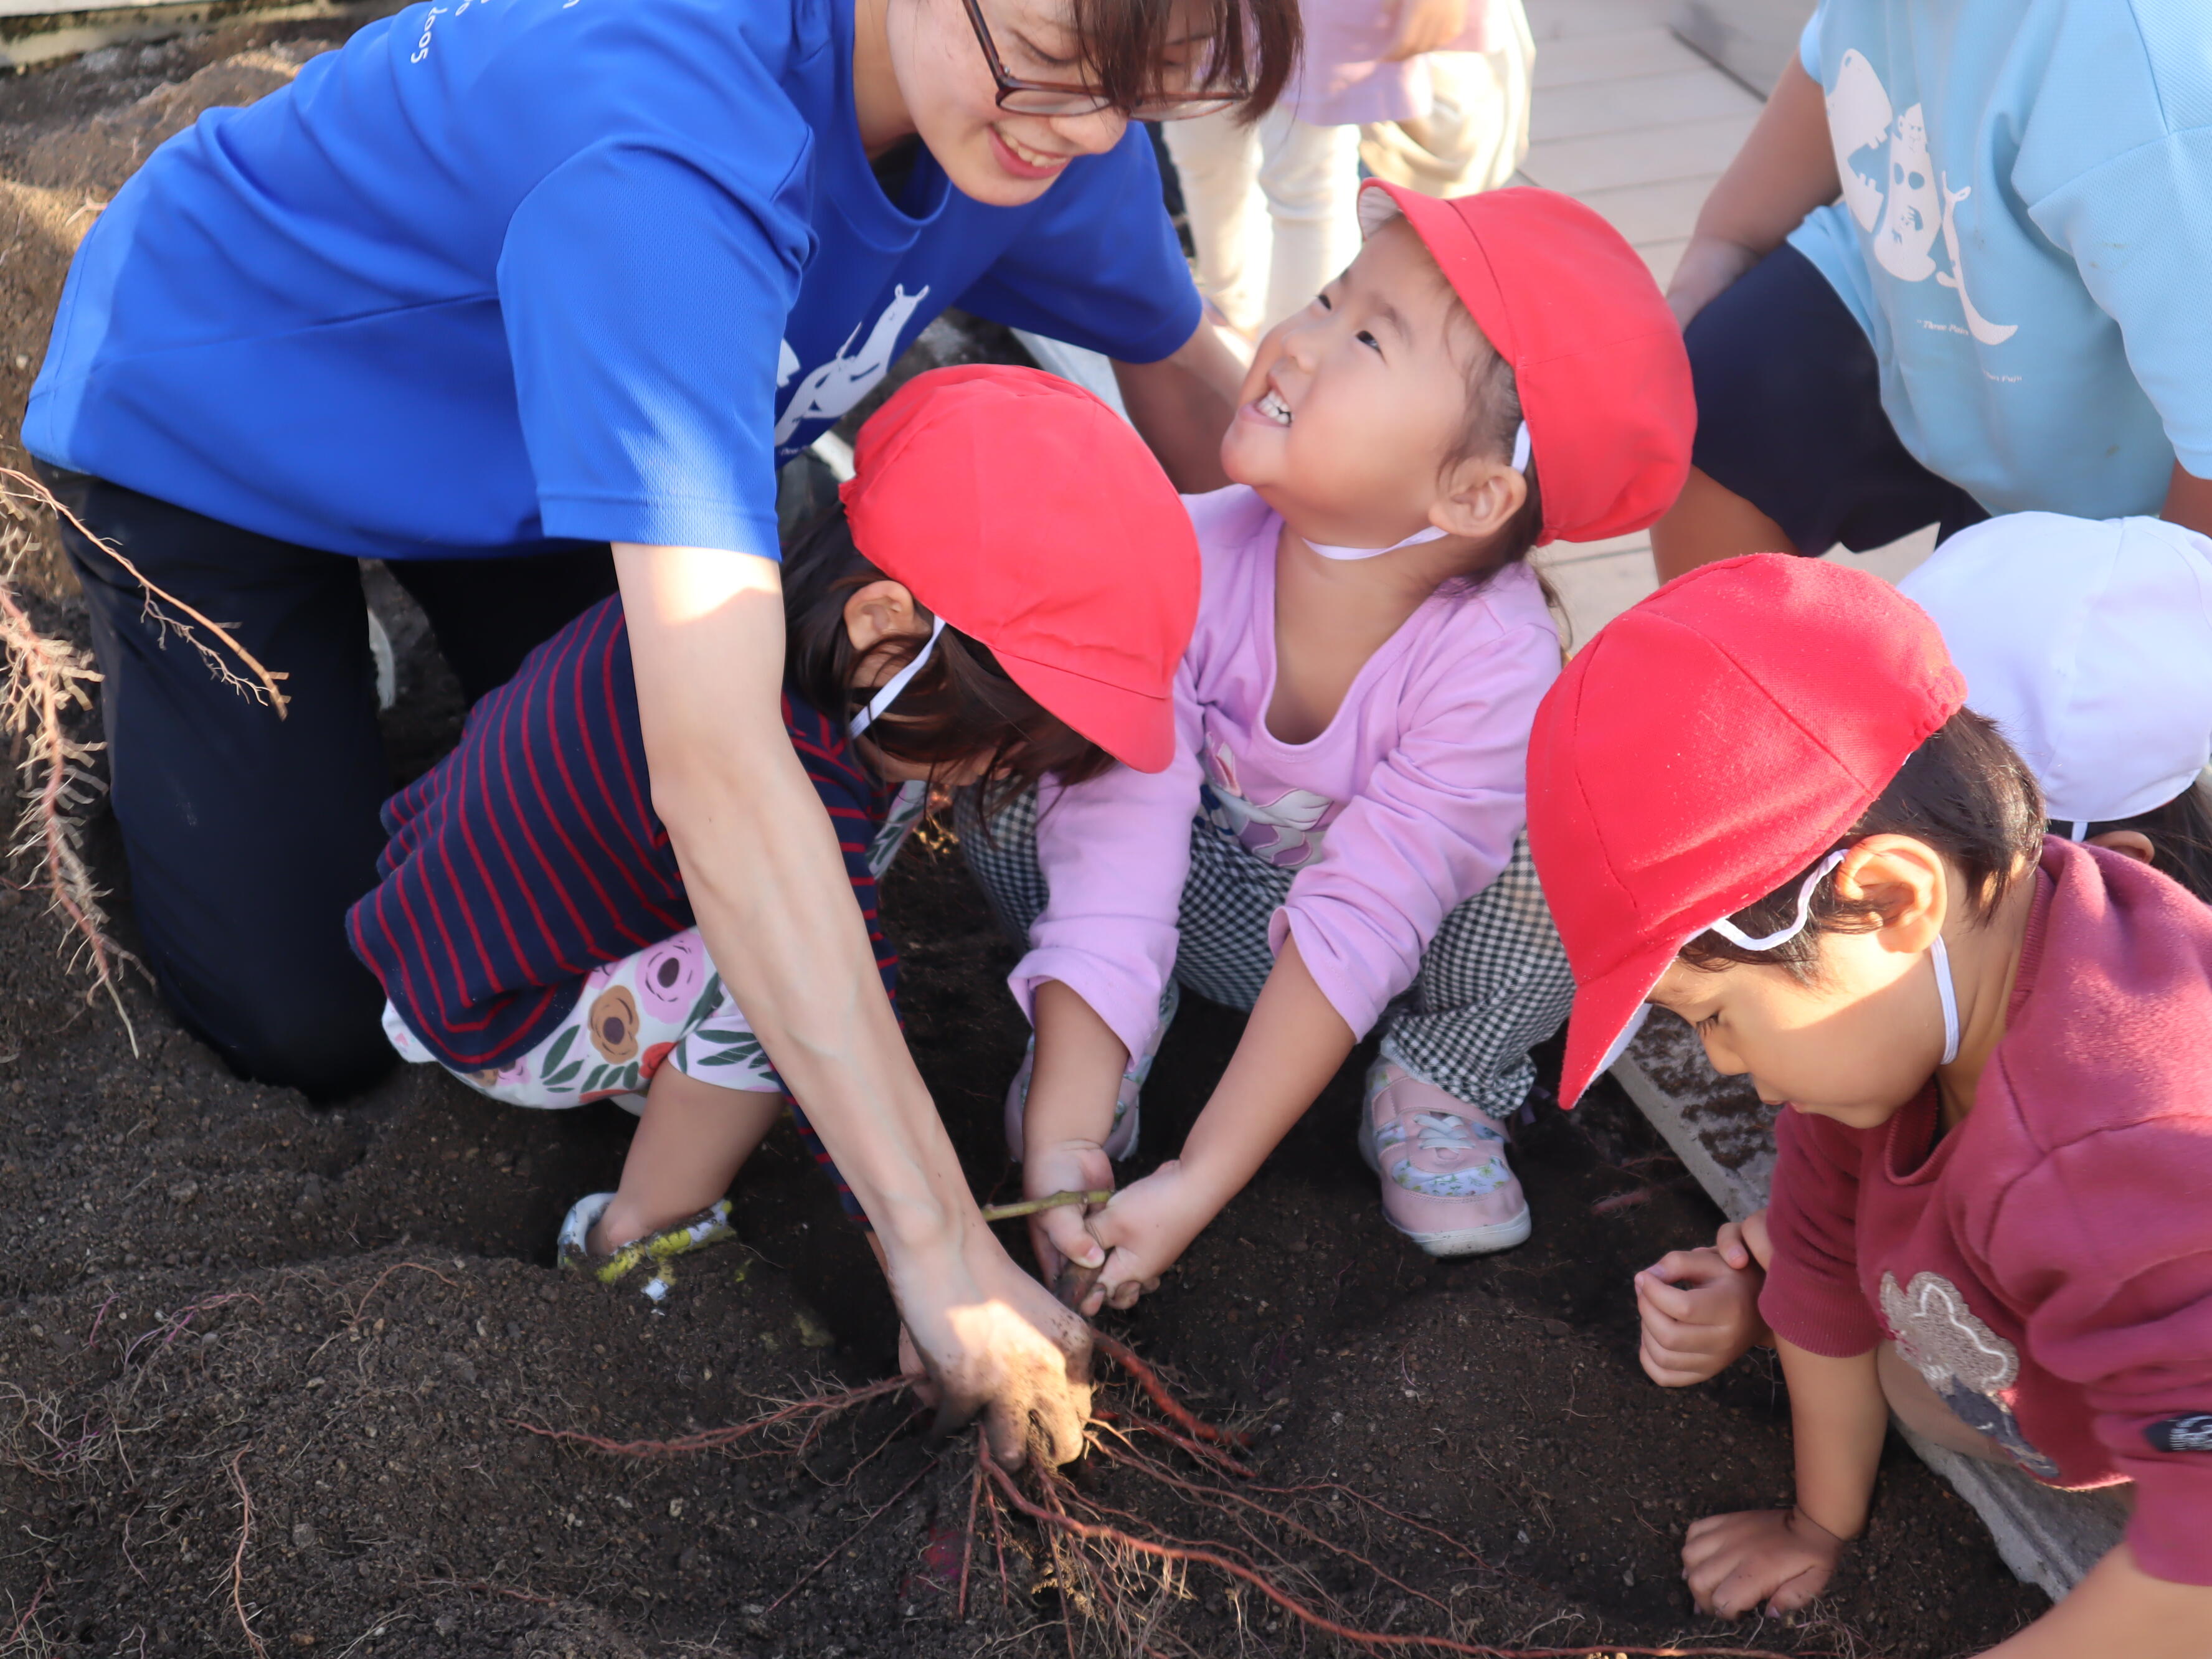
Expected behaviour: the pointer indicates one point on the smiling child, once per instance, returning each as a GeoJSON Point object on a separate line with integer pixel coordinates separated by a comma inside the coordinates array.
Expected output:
{"type": "Point", "coordinates": [1337, 845]}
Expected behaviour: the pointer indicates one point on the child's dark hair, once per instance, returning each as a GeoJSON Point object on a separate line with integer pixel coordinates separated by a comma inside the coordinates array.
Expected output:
{"type": "Point", "coordinates": [2180, 834]}
{"type": "Point", "coordinates": [1964, 792]}
{"type": "Point", "coordinates": [962, 704]}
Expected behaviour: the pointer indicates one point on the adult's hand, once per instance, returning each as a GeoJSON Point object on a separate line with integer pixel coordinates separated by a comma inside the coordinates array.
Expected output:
{"type": "Point", "coordinates": [1182, 405]}
{"type": "Point", "coordinates": [769, 889]}
{"type": "Point", "coordinates": [1426, 25]}
{"type": "Point", "coordinates": [995, 1342]}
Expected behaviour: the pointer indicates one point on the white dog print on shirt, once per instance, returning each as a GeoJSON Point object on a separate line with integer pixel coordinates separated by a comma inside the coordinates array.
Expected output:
{"type": "Point", "coordinates": [829, 390]}
{"type": "Point", "coordinates": [1911, 205]}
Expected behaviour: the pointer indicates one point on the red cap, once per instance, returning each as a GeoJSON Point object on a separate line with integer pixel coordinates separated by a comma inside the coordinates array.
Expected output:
{"type": "Point", "coordinates": [1032, 518]}
{"type": "Point", "coordinates": [1597, 357]}
{"type": "Point", "coordinates": [1706, 746]}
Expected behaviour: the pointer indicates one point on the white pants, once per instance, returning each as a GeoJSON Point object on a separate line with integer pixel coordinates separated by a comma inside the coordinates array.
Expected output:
{"type": "Point", "coordinates": [1272, 210]}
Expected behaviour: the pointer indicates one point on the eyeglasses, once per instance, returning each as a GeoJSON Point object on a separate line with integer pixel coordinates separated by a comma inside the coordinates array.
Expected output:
{"type": "Point", "coordinates": [1064, 98]}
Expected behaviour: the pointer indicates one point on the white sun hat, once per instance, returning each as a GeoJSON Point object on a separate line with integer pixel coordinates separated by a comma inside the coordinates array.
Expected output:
{"type": "Point", "coordinates": [2089, 643]}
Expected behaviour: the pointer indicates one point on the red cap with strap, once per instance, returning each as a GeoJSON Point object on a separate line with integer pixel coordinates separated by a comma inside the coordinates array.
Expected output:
{"type": "Point", "coordinates": [1030, 517]}
{"type": "Point", "coordinates": [1596, 355]}
{"type": "Point", "coordinates": [1706, 746]}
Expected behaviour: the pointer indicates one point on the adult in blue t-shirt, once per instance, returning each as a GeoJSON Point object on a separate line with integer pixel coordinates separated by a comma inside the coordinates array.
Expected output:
{"type": "Point", "coordinates": [504, 282]}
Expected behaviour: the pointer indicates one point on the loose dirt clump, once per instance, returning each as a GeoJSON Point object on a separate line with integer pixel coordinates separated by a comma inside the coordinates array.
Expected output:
{"type": "Point", "coordinates": [277, 1379]}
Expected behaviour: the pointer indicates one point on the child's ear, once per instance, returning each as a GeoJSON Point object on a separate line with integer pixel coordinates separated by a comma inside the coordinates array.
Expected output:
{"type": "Point", "coordinates": [2128, 843]}
{"type": "Point", "coordinates": [1480, 499]}
{"type": "Point", "coordinates": [879, 611]}
{"type": "Point", "coordinates": [1906, 882]}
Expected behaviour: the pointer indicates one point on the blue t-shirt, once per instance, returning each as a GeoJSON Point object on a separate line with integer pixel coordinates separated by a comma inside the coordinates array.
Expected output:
{"type": "Point", "coordinates": [2025, 234]}
{"type": "Point", "coordinates": [506, 271]}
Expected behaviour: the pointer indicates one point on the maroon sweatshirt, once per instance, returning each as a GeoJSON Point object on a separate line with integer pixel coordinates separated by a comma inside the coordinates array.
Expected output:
{"type": "Point", "coordinates": [2047, 1266]}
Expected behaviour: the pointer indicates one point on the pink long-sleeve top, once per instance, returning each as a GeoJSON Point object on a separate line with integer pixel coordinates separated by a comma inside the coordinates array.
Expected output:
{"type": "Point", "coordinates": [1403, 808]}
{"type": "Point", "coordinates": [2047, 1264]}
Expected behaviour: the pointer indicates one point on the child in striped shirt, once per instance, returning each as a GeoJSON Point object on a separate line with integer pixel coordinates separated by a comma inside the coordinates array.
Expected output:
{"type": "Point", "coordinates": [1002, 594]}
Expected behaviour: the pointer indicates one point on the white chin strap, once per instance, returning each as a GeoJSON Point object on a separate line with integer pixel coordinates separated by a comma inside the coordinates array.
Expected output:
{"type": "Point", "coordinates": [1328, 550]}
{"type": "Point", "coordinates": [1743, 941]}
{"type": "Point", "coordinates": [887, 693]}
{"type": "Point", "coordinates": [1945, 989]}
{"type": "Point", "coordinates": [1949, 993]}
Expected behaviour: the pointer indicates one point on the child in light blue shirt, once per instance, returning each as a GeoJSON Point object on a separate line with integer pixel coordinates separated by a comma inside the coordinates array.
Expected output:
{"type": "Point", "coordinates": [2010, 203]}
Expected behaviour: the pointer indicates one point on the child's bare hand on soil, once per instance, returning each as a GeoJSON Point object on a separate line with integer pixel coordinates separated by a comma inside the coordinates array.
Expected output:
{"type": "Point", "coordinates": [1774, 1559]}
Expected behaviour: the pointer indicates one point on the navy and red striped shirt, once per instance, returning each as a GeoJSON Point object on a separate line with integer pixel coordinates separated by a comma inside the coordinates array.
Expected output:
{"type": "Point", "coordinates": [531, 853]}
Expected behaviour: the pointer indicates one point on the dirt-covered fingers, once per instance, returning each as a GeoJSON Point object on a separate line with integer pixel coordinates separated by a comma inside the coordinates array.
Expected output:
{"type": "Point", "coordinates": [1733, 1564]}
{"type": "Point", "coordinates": [1126, 1281]}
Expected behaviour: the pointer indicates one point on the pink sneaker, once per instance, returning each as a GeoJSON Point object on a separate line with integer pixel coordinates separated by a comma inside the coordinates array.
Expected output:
{"type": "Point", "coordinates": [1445, 1181]}
{"type": "Point", "coordinates": [1120, 1139]}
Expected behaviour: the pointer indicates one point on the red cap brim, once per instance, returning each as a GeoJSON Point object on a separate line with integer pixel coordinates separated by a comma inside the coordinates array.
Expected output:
{"type": "Point", "coordinates": [1137, 730]}
{"type": "Point", "coordinates": [1605, 1009]}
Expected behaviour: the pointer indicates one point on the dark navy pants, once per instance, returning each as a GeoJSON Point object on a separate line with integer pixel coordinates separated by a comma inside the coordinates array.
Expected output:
{"type": "Point", "coordinates": [247, 836]}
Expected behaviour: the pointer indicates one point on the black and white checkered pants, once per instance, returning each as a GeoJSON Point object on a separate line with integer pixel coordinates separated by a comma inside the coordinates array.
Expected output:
{"type": "Point", "coordinates": [1492, 984]}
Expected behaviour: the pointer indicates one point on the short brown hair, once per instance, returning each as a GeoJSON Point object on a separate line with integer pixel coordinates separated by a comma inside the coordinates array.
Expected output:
{"type": "Point", "coordinates": [1123, 43]}
{"type": "Point", "coordinates": [962, 704]}
{"type": "Point", "coordinates": [1964, 791]}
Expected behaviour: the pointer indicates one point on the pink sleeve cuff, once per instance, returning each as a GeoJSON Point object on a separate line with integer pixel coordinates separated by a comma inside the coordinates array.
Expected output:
{"type": "Point", "coordinates": [1352, 999]}
{"type": "Point", "coordinates": [1817, 1313]}
{"type": "Point", "coordinates": [1128, 1000]}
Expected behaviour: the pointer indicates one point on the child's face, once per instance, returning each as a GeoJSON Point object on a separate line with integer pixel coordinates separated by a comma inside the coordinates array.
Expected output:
{"type": "Point", "coordinates": [1860, 1041]}
{"type": "Point", "coordinates": [1351, 406]}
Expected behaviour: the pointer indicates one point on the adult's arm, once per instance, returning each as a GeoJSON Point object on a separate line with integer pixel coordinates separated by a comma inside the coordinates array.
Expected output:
{"type": "Point", "coordinates": [773, 898]}
{"type": "Point", "coordinates": [1786, 168]}
{"type": "Point", "coordinates": [1182, 405]}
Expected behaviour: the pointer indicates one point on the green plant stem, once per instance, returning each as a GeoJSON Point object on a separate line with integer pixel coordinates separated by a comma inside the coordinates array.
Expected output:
{"type": "Point", "coordinates": [1031, 1206]}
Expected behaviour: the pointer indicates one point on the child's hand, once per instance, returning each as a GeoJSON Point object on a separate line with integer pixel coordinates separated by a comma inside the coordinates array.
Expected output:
{"type": "Point", "coordinates": [1147, 1227]}
{"type": "Point", "coordinates": [1700, 1310]}
{"type": "Point", "coordinates": [1060, 1236]}
{"type": "Point", "coordinates": [1774, 1559]}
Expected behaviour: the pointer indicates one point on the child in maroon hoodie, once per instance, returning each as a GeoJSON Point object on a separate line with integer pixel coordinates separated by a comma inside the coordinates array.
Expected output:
{"type": "Point", "coordinates": [1992, 1209]}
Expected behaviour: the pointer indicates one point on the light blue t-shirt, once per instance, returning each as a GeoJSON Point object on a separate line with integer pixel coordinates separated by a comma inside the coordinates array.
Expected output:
{"type": "Point", "coordinates": [502, 272]}
{"type": "Point", "coordinates": [2025, 235]}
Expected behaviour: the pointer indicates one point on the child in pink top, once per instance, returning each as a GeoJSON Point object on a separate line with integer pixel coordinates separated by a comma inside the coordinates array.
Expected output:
{"type": "Point", "coordinates": [1338, 844]}
{"type": "Point", "coordinates": [1989, 1207]}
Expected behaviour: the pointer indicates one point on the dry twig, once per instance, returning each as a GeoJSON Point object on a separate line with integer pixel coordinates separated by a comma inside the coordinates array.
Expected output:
{"type": "Point", "coordinates": [40, 681]}
{"type": "Point", "coordinates": [819, 1406]}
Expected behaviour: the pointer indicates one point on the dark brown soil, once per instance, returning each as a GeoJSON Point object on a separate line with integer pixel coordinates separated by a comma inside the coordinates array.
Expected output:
{"type": "Point", "coordinates": [265, 1368]}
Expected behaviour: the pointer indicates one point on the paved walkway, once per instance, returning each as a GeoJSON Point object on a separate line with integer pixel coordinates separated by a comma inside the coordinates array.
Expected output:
{"type": "Point", "coordinates": [1631, 120]}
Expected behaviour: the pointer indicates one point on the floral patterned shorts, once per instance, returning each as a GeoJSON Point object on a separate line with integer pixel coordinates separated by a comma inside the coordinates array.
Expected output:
{"type": "Point", "coordinates": [665, 1006]}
